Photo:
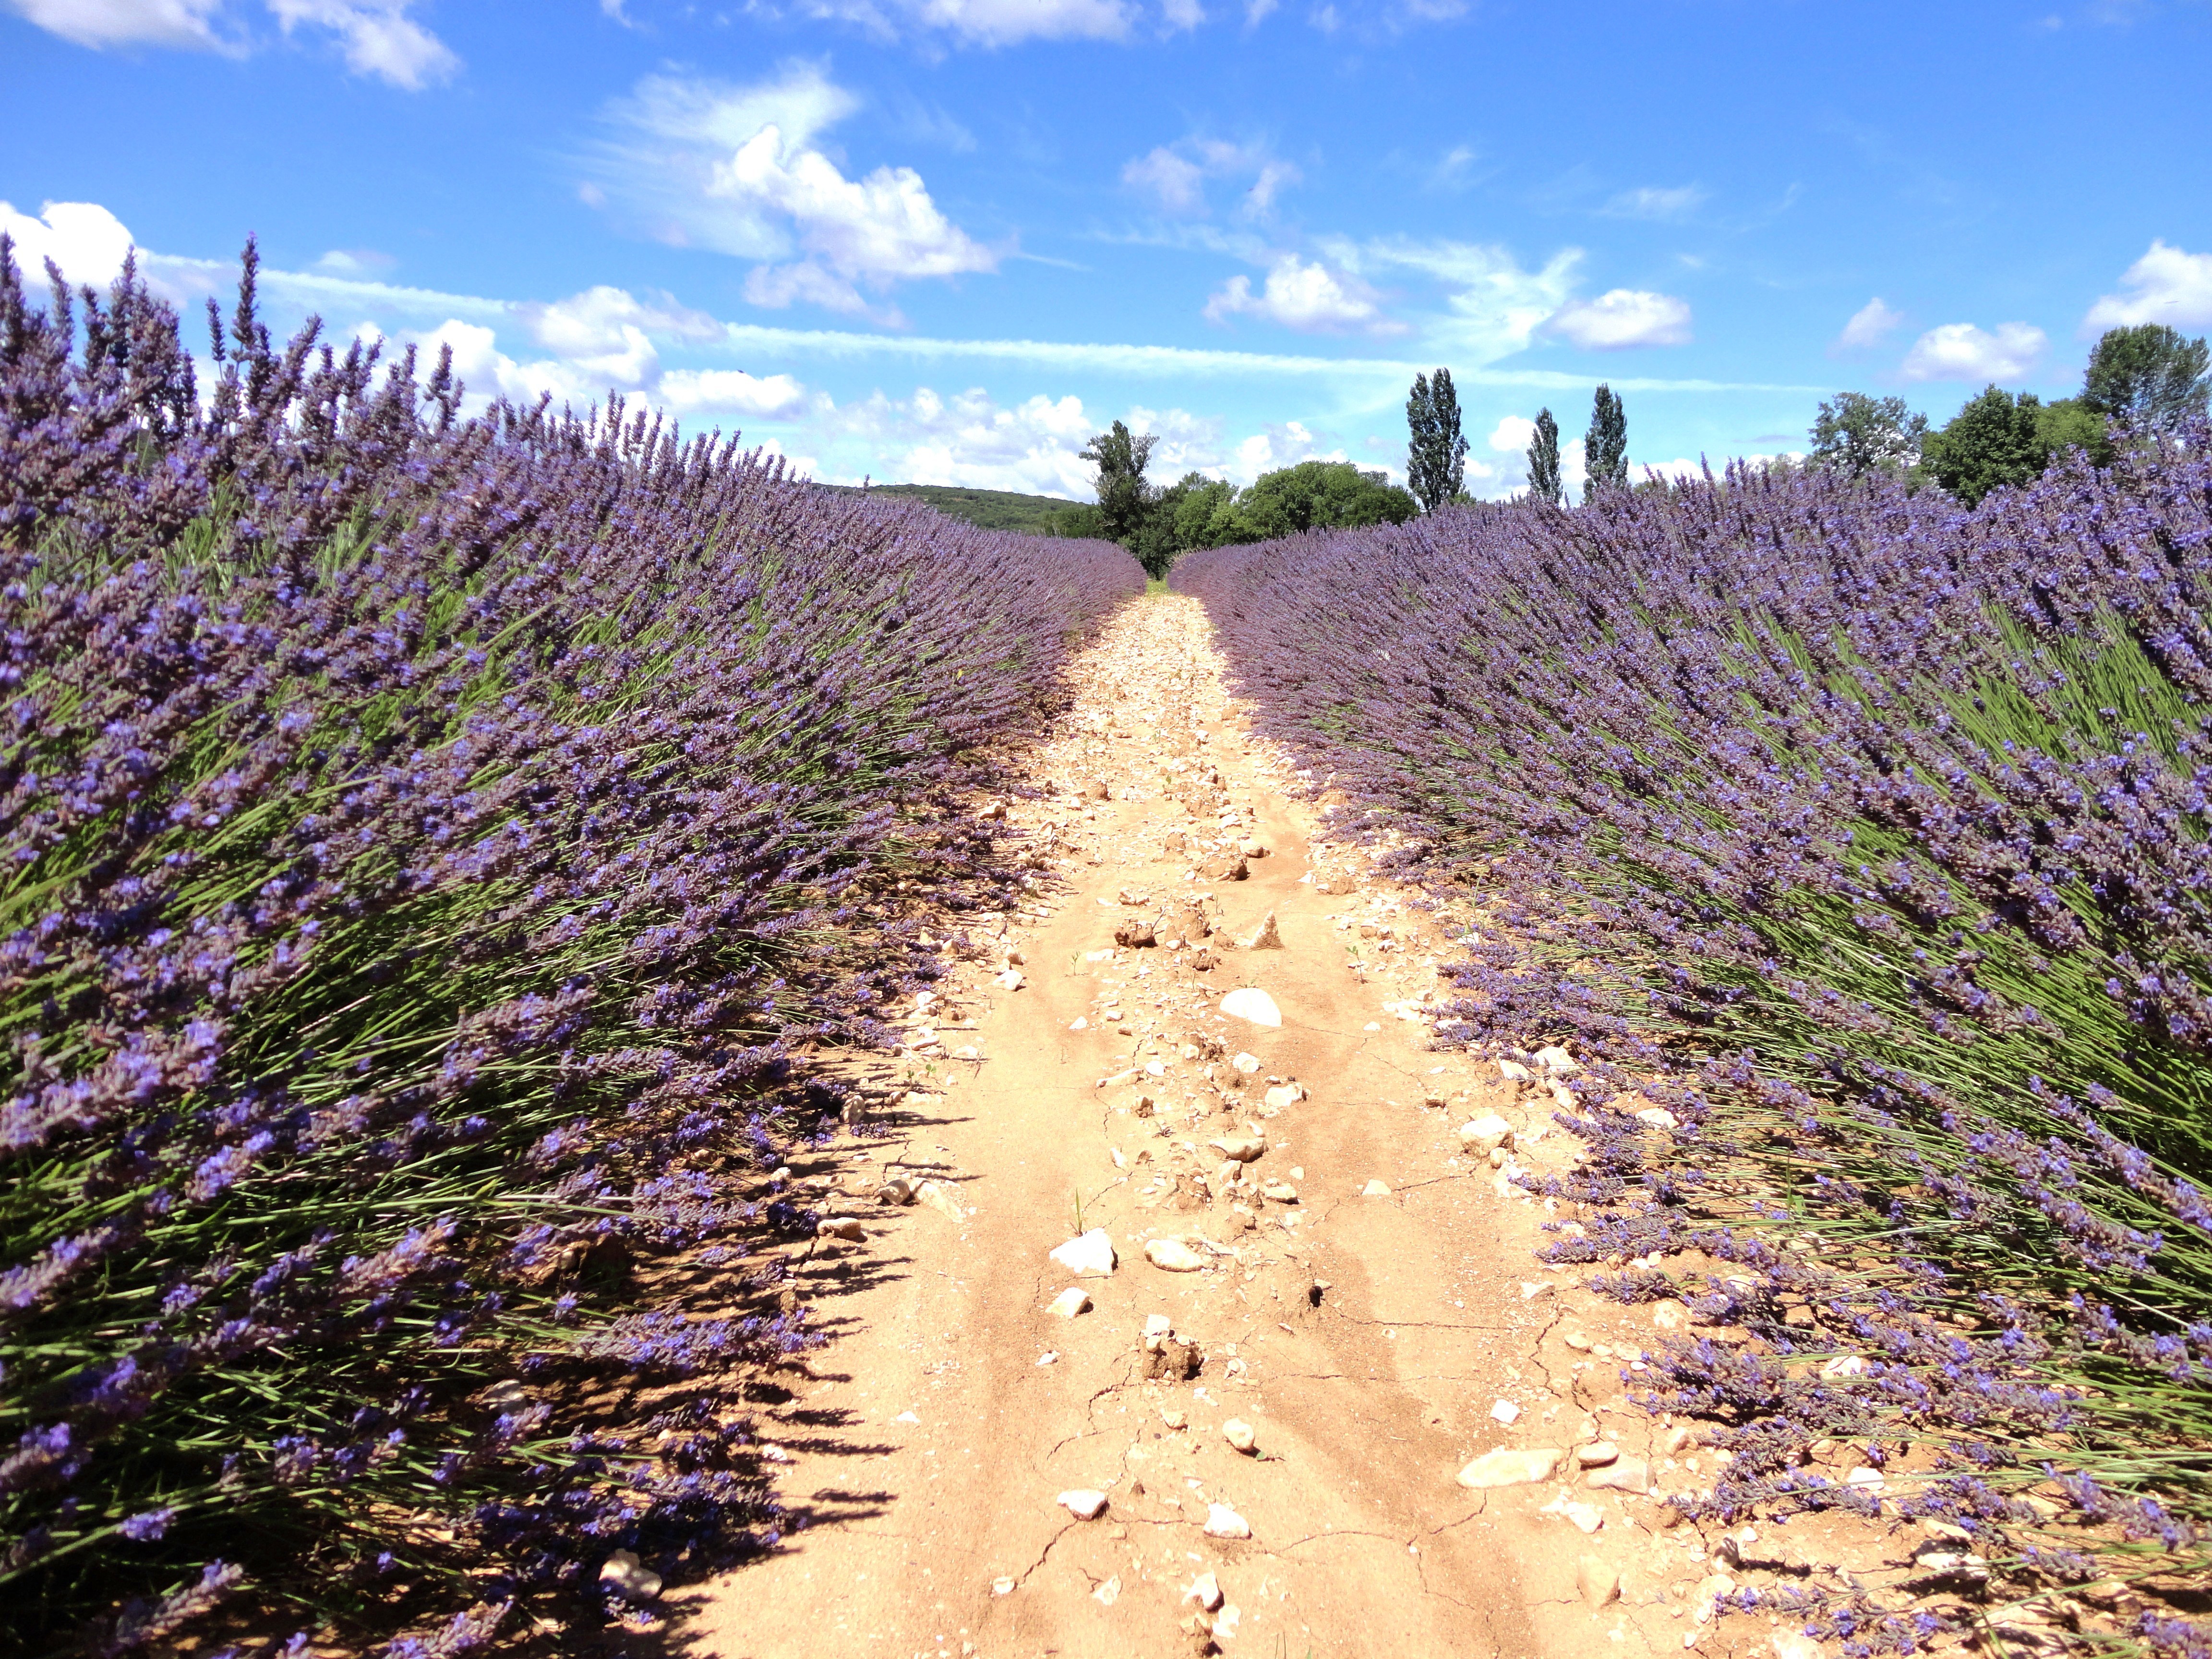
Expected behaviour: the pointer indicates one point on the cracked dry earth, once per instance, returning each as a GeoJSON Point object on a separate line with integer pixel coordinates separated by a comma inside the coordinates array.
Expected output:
{"type": "Point", "coordinates": [1350, 1293]}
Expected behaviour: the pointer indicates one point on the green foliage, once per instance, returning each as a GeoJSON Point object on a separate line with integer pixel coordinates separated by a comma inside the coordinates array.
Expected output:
{"type": "Point", "coordinates": [989, 509]}
{"type": "Point", "coordinates": [1994, 441]}
{"type": "Point", "coordinates": [1123, 501]}
{"type": "Point", "coordinates": [2148, 377]}
{"type": "Point", "coordinates": [2001, 438]}
{"type": "Point", "coordinates": [1435, 451]}
{"type": "Point", "coordinates": [1605, 448]}
{"type": "Point", "coordinates": [1544, 460]}
{"type": "Point", "coordinates": [1321, 495]}
{"type": "Point", "coordinates": [1858, 434]}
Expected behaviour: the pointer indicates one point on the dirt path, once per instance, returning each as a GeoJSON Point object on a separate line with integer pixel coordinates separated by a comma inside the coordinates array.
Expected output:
{"type": "Point", "coordinates": [1374, 1338]}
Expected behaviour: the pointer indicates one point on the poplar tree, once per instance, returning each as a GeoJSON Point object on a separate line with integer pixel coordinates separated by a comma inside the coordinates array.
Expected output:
{"type": "Point", "coordinates": [1605, 449]}
{"type": "Point", "coordinates": [1544, 460]}
{"type": "Point", "coordinates": [1435, 451]}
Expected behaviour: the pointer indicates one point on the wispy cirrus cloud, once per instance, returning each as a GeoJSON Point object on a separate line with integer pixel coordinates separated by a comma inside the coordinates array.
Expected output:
{"type": "Point", "coordinates": [1870, 325]}
{"type": "Point", "coordinates": [378, 37]}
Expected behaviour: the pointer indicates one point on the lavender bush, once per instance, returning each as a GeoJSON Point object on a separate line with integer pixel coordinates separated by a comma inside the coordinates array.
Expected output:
{"type": "Point", "coordinates": [436, 852]}
{"type": "Point", "coordinates": [1868, 837]}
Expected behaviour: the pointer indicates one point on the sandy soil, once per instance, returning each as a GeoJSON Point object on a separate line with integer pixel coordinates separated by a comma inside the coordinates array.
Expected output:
{"type": "Point", "coordinates": [1364, 1296]}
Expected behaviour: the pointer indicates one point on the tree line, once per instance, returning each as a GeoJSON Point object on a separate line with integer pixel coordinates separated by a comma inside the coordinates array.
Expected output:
{"type": "Point", "coordinates": [2142, 379]}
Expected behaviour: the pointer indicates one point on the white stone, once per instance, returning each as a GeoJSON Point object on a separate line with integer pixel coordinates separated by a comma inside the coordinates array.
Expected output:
{"type": "Point", "coordinates": [1243, 1148]}
{"type": "Point", "coordinates": [1512, 1467]}
{"type": "Point", "coordinates": [1222, 1522]}
{"type": "Point", "coordinates": [841, 1226]}
{"type": "Point", "coordinates": [1504, 1411]}
{"type": "Point", "coordinates": [1012, 980]}
{"type": "Point", "coordinates": [1079, 1023]}
{"type": "Point", "coordinates": [1157, 1329]}
{"type": "Point", "coordinates": [1659, 1118]}
{"type": "Point", "coordinates": [1597, 1453]}
{"type": "Point", "coordinates": [1284, 1094]}
{"type": "Point", "coordinates": [1486, 1134]}
{"type": "Point", "coordinates": [1625, 1475]}
{"type": "Point", "coordinates": [1844, 1365]}
{"type": "Point", "coordinates": [1108, 1593]}
{"type": "Point", "coordinates": [1514, 1072]}
{"type": "Point", "coordinates": [1865, 1476]}
{"type": "Point", "coordinates": [623, 1573]}
{"type": "Point", "coordinates": [1599, 1582]}
{"type": "Point", "coordinates": [1091, 1256]}
{"type": "Point", "coordinates": [1250, 1002]}
{"type": "Point", "coordinates": [1084, 1502]}
{"type": "Point", "coordinates": [1173, 1255]}
{"type": "Point", "coordinates": [1206, 1590]}
{"type": "Point", "coordinates": [1173, 1417]}
{"type": "Point", "coordinates": [1375, 1189]}
{"type": "Point", "coordinates": [1245, 1064]}
{"type": "Point", "coordinates": [939, 1198]}
{"type": "Point", "coordinates": [1795, 1644]}
{"type": "Point", "coordinates": [1238, 1433]}
{"type": "Point", "coordinates": [1281, 1191]}
{"type": "Point", "coordinates": [1070, 1301]}
{"type": "Point", "coordinates": [1556, 1061]}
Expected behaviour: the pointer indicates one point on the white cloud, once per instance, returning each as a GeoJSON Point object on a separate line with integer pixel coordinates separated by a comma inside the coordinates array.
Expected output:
{"type": "Point", "coordinates": [379, 37]}
{"type": "Point", "coordinates": [1959, 351]}
{"type": "Point", "coordinates": [187, 23]}
{"type": "Point", "coordinates": [970, 439]}
{"type": "Point", "coordinates": [1309, 297]}
{"type": "Point", "coordinates": [731, 391]}
{"type": "Point", "coordinates": [2165, 286]}
{"type": "Point", "coordinates": [1173, 175]}
{"type": "Point", "coordinates": [1279, 447]}
{"type": "Point", "coordinates": [1513, 436]}
{"type": "Point", "coordinates": [1182, 13]}
{"type": "Point", "coordinates": [737, 169]}
{"type": "Point", "coordinates": [1492, 306]}
{"type": "Point", "coordinates": [980, 22]}
{"type": "Point", "coordinates": [359, 262]}
{"type": "Point", "coordinates": [1622, 319]}
{"type": "Point", "coordinates": [1651, 202]}
{"type": "Point", "coordinates": [84, 239]}
{"type": "Point", "coordinates": [1870, 324]}
{"type": "Point", "coordinates": [1187, 443]}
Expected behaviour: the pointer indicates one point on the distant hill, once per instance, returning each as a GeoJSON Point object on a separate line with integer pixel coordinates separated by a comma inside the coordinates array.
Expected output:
{"type": "Point", "coordinates": [991, 509]}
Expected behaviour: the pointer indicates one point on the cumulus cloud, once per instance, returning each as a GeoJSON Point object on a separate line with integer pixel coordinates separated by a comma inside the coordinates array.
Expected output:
{"type": "Point", "coordinates": [2165, 286]}
{"type": "Point", "coordinates": [1513, 435]}
{"type": "Point", "coordinates": [1182, 13]}
{"type": "Point", "coordinates": [1277, 447]}
{"type": "Point", "coordinates": [1870, 324]}
{"type": "Point", "coordinates": [1306, 296]}
{"type": "Point", "coordinates": [1187, 443]}
{"type": "Point", "coordinates": [1492, 306]}
{"type": "Point", "coordinates": [972, 440]}
{"type": "Point", "coordinates": [1623, 318]}
{"type": "Point", "coordinates": [378, 37]}
{"type": "Point", "coordinates": [186, 23]}
{"type": "Point", "coordinates": [730, 390]}
{"type": "Point", "coordinates": [84, 239]}
{"type": "Point", "coordinates": [737, 169]}
{"type": "Point", "coordinates": [1959, 351]}
{"type": "Point", "coordinates": [1173, 177]}
{"type": "Point", "coordinates": [1652, 202]}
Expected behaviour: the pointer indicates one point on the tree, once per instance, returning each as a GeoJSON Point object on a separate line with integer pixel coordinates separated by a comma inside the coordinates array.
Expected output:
{"type": "Point", "coordinates": [1435, 451]}
{"type": "Point", "coordinates": [1994, 441]}
{"type": "Point", "coordinates": [2069, 423]}
{"type": "Point", "coordinates": [1860, 434]}
{"type": "Point", "coordinates": [2148, 378]}
{"type": "Point", "coordinates": [1122, 499]}
{"type": "Point", "coordinates": [1320, 496]}
{"type": "Point", "coordinates": [1544, 460]}
{"type": "Point", "coordinates": [1605, 449]}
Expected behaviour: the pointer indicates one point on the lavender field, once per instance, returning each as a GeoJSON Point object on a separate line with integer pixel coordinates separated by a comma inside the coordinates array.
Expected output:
{"type": "Point", "coordinates": [1859, 844]}
{"type": "Point", "coordinates": [440, 853]}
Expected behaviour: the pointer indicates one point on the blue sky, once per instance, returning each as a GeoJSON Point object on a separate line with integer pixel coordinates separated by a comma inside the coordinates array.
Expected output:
{"type": "Point", "coordinates": [944, 240]}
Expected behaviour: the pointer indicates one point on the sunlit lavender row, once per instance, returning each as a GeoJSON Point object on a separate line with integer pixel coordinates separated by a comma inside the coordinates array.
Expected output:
{"type": "Point", "coordinates": [1866, 839]}
{"type": "Point", "coordinates": [438, 852]}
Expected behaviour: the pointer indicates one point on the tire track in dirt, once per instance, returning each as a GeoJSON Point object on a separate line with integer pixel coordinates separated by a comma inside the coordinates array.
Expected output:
{"type": "Point", "coordinates": [1366, 1336]}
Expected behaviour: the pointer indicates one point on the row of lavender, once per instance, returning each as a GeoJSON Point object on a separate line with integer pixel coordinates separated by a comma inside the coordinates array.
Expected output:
{"type": "Point", "coordinates": [434, 849]}
{"type": "Point", "coordinates": [1868, 839]}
